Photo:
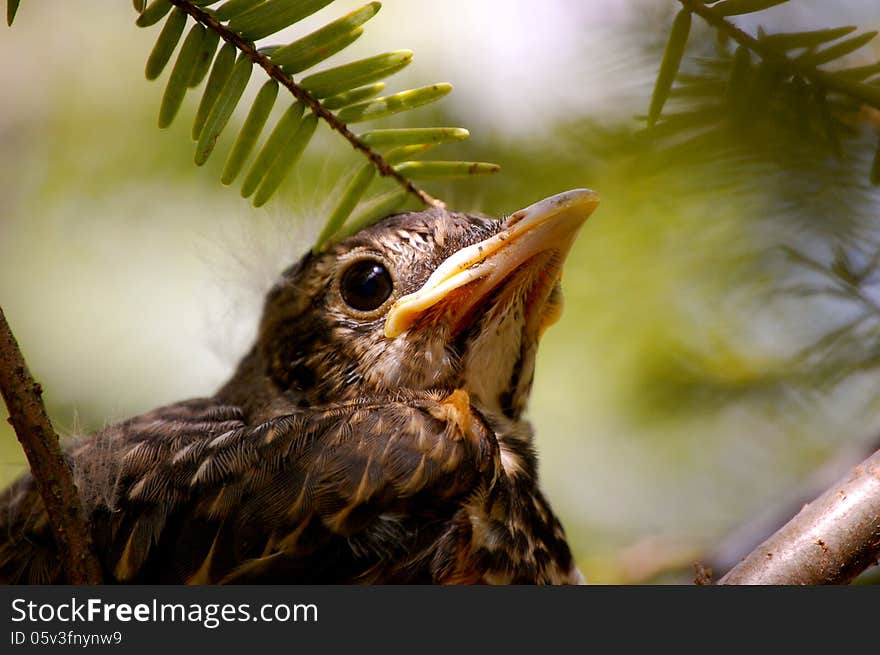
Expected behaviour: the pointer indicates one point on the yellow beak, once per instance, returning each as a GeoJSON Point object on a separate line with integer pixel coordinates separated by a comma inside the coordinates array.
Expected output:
{"type": "Point", "coordinates": [551, 224]}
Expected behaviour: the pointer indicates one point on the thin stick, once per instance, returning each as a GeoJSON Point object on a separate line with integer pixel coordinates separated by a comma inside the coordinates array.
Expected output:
{"type": "Point", "coordinates": [52, 475]}
{"type": "Point", "coordinates": [277, 73]}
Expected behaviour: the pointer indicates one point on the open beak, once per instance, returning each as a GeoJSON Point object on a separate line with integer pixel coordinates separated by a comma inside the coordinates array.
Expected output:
{"type": "Point", "coordinates": [549, 225]}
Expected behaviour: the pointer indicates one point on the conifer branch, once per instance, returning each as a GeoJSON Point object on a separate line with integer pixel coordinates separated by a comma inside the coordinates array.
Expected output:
{"type": "Point", "coordinates": [788, 83]}
{"type": "Point", "coordinates": [277, 73]}
{"type": "Point", "coordinates": [768, 53]}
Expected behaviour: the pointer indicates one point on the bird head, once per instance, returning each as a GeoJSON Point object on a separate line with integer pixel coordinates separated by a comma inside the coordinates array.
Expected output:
{"type": "Point", "coordinates": [430, 300]}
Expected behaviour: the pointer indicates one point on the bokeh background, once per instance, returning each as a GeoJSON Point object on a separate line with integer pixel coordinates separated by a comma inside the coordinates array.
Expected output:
{"type": "Point", "coordinates": [683, 394]}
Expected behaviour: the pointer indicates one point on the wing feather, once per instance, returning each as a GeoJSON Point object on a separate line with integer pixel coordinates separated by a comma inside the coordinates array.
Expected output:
{"type": "Point", "coordinates": [192, 493]}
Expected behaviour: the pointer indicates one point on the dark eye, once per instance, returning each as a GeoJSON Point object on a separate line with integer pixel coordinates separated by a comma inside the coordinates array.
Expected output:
{"type": "Point", "coordinates": [365, 285]}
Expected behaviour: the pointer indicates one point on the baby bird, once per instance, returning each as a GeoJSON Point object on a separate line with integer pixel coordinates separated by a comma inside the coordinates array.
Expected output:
{"type": "Point", "coordinates": [372, 434]}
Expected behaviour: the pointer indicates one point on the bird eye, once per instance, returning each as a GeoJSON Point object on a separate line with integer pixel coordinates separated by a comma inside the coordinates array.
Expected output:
{"type": "Point", "coordinates": [365, 285]}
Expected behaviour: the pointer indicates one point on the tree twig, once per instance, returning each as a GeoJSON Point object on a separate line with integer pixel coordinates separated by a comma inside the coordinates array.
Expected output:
{"type": "Point", "coordinates": [277, 73]}
{"type": "Point", "coordinates": [757, 528]}
{"type": "Point", "coordinates": [52, 475]}
{"type": "Point", "coordinates": [830, 541]}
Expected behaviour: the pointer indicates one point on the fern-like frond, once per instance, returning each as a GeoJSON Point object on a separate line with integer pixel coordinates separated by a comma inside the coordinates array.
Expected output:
{"type": "Point", "coordinates": [11, 9]}
{"type": "Point", "coordinates": [790, 81]}
{"type": "Point", "coordinates": [672, 55]}
{"type": "Point", "coordinates": [340, 96]}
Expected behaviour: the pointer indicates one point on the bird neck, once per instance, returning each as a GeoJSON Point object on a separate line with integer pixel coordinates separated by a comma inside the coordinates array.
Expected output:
{"type": "Point", "coordinates": [251, 389]}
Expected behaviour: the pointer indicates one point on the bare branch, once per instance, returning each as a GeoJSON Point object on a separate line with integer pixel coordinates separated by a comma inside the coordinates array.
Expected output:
{"type": "Point", "coordinates": [52, 475]}
{"type": "Point", "coordinates": [830, 541]}
{"type": "Point", "coordinates": [757, 528]}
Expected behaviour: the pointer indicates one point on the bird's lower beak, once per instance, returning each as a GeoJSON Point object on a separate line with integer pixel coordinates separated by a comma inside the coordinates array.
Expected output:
{"type": "Point", "coordinates": [473, 272]}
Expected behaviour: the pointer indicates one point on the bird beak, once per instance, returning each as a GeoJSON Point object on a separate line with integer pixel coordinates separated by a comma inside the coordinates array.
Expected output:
{"type": "Point", "coordinates": [549, 225]}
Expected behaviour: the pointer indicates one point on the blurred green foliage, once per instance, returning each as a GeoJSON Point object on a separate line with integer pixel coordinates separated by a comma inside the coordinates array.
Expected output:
{"type": "Point", "coordinates": [701, 368]}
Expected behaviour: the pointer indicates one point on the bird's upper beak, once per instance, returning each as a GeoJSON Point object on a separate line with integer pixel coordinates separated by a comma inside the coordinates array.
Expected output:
{"type": "Point", "coordinates": [478, 269]}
